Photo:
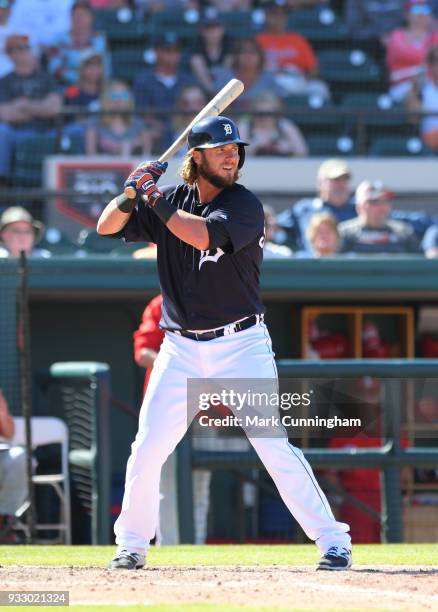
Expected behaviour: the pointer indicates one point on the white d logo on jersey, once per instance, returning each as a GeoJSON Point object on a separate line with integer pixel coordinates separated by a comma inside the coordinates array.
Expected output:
{"type": "Point", "coordinates": [205, 256]}
{"type": "Point", "coordinates": [228, 129]}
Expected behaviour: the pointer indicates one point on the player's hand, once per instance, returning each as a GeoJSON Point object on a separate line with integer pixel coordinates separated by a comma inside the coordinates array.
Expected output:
{"type": "Point", "coordinates": [154, 168]}
{"type": "Point", "coordinates": [149, 189]}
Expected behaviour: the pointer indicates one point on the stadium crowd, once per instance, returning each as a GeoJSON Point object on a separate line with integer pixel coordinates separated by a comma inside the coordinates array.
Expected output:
{"type": "Point", "coordinates": [120, 78]}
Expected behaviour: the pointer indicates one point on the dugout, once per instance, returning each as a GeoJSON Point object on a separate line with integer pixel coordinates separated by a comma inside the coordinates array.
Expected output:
{"type": "Point", "coordinates": [86, 310]}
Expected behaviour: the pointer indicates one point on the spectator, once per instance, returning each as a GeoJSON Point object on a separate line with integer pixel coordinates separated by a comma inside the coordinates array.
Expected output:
{"type": "Point", "coordinates": [367, 19]}
{"type": "Point", "coordinates": [13, 477]}
{"type": "Point", "coordinates": [117, 131]}
{"type": "Point", "coordinates": [249, 66]}
{"type": "Point", "coordinates": [212, 49]}
{"type": "Point", "coordinates": [28, 101]}
{"type": "Point", "coordinates": [334, 177]}
{"type": "Point", "coordinates": [43, 21]}
{"type": "Point", "coordinates": [289, 54]}
{"type": "Point", "coordinates": [323, 235]}
{"type": "Point", "coordinates": [20, 232]}
{"type": "Point", "coordinates": [407, 48]}
{"type": "Point", "coordinates": [157, 88]}
{"type": "Point", "coordinates": [424, 97]}
{"type": "Point", "coordinates": [191, 99]}
{"type": "Point", "coordinates": [268, 132]}
{"type": "Point", "coordinates": [430, 242]}
{"type": "Point", "coordinates": [271, 250]}
{"type": "Point", "coordinates": [6, 30]}
{"type": "Point", "coordinates": [86, 92]}
{"type": "Point", "coordinates": [373, 232]}
{"type": "Point", "coordinates": [65, 55]}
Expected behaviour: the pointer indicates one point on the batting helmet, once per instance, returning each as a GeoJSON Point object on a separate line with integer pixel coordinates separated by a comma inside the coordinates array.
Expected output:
{"type": "Point", "coordinates": [214, 132]}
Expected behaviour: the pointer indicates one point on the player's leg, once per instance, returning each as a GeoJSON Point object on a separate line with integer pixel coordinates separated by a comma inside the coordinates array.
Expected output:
{"type": "Point", "coordinates": [162, 424]}
{"type": "Point", "coordinates": [248, 355]}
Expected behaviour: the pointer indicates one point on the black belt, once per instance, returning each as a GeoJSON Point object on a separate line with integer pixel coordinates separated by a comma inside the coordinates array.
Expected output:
{"type": "Point", "coordinates": [227, 330]}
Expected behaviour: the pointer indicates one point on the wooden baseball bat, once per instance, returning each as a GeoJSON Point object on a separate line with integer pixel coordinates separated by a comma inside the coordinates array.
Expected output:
{"type": "Point", "coordinates": [227, 94]}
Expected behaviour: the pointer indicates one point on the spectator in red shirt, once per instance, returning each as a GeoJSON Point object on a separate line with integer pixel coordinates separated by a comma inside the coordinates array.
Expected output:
{"type": "Point", "coordinates": [407, 48]}
{"type": "Point", "coordinates": [289, 54]}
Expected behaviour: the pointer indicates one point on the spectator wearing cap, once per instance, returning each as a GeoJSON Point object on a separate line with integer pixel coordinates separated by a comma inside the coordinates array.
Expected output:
{"type": "Point", "coordinates": [29, 101]}
{"type": "Point", "coordinates": [430, 242]}
{"type": "Point", "coordinates": [212, 49]}
{"type": "Point", "coordinates": [424, 97]}
{"type": "Point", "coordinates": [407, 48]}
{"type": "Point", "coordinates": [85, 93]}
{"type": "Point", "coordinates": [44, 21]}
{"type": "Point", "coordinates": [157, 88]}
{"type": "Point", "coordinates": [65, 55]}
{"type": "Point", "coordinates": [19, 231]}
{"type": "Point", "coordinates": [334, 187]}
{"type": "Point", "coordinates": [372, 231]}
{"type": "Point", "coordinates": [289, 54]}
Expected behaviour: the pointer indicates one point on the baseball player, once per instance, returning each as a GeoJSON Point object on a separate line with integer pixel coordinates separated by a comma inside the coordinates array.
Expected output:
{"type": "Point", "coordinates": [209, 232]}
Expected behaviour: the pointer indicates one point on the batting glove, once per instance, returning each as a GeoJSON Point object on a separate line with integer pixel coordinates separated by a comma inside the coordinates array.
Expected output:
{"type": "Point", "coordinates": [153, 168]}
{"type": "Point", "coordinates": [148, 188]}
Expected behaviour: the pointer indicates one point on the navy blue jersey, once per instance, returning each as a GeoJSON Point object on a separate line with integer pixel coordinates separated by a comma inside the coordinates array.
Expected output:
{"type": "Point", "coordinates": [206, 289]}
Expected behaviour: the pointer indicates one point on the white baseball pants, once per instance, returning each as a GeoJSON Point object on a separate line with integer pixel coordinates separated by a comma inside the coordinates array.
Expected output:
{"type": "Point", "coordinates": [163, 422]}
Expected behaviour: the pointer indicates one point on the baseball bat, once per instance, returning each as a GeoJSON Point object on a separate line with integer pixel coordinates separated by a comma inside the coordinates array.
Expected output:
{"type": "Point", "coordinates": [227, 94]}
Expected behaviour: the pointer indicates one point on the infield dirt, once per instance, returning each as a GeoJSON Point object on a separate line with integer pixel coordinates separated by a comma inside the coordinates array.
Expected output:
{"type": "Point", "coordinates": [363, 588]}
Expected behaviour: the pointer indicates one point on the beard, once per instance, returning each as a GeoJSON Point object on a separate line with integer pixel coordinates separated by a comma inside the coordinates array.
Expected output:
{"type": "Point", "coordinates": [216, 180]}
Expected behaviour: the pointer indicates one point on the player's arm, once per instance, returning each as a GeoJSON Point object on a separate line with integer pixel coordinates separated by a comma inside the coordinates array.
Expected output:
{"type": "Point", "coordinates": [115, 215]}
{"type": "Point", "coordinates": [189, 228]}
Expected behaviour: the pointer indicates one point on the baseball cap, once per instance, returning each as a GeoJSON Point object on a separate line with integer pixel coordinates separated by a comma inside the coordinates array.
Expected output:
{"type": "Point", "coordinates": [418, 7]}
{"type": "Point", "coordinates": [166, 39]}
{"type": "Point", "coordinates": [333, 168]}
{"type": "Point", "coordinates": [16, 40]}
{"type": "Point", "coordinates": [14, 214]}
{"type": "Point", "coordinates": [88, 55]}
{"type": "Point", "coordinates": [369, 191]}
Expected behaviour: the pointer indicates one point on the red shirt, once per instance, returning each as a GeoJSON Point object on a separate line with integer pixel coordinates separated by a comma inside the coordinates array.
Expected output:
{"type": "Point", "coordinates": [149, 335]}
{"type": "Point", "coordinates": [287, 50]}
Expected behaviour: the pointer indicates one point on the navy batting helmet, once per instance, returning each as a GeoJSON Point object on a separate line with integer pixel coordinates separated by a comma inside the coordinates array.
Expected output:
{"type": "Point", "coordinates": [214, 132]}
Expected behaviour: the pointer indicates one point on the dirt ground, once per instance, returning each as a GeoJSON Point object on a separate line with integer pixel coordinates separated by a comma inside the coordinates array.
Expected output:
{"type": "Point", "coordinates": [400, 588]}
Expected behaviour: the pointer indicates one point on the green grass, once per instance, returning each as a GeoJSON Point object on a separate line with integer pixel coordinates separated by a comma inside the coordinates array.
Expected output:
{"type": "Point", "coordinates": [252, 555]}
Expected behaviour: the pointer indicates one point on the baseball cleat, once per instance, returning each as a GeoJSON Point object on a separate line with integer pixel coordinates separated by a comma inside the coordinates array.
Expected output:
{"type": "Point", "coordinates": [335, 559]}
{"type": "Point", "coordinates": [125, 560]}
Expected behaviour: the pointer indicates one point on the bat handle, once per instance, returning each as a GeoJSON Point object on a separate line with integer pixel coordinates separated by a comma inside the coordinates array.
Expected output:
{"type": "Point", "coordinates": [130, 192]}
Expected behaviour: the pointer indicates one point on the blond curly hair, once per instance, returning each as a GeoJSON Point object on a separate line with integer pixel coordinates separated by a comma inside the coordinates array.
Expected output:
{"type": "Point", "coordinates": [188, 170]}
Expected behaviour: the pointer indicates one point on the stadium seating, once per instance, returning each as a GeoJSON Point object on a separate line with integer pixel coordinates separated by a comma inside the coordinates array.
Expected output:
{"type": "Point", "coordinates": [350, 69]}
{"type": "Point", "coordinates": [398, 145]}
{"type": "Point", "coordinates": [29, 158]}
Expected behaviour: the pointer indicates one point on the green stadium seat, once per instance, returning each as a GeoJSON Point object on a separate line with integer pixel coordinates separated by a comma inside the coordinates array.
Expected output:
{"type": "Point", "coordinates": [55, 241]}
{"type": "Point", "coordinates": [331, 145]}
{"type": "Point", "coordinates": [321, 26]}
{"type": "Point", "coordinates": [172, 21]}
{"type": "Point", "coordinates": [346, 68]}
{"type": "Point", "coordinates": [127, 62]}
{"type": "Point", "coordinates": [120, 26]}
{"type": "Point", "coordinates": [239, 24]}
{"type": "Point", "coordinates": [398, 145]}
{"type": "Point", "coordinates": [90, 242]}
{"type": "Point", "coordinates": [314, 113]}
{"type": "Point", "coordinates": [29, 158]}
{"type": "Point", "coordinates": [390, 115]}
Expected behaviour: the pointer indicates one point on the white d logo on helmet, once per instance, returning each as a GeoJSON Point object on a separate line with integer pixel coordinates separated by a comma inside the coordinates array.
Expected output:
{"type": "Point", "coordinates": [228, 129]}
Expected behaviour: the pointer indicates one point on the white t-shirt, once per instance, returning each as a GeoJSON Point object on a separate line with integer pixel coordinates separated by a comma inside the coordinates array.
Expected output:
{"type": "Point", "coordinates": [46, 20]}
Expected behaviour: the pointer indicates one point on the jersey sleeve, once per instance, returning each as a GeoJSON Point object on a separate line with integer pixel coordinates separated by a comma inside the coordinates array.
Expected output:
{"type": "Point", "coordinates": [141, 226]}
{"type": "Point", "coordinates": [240, 217]}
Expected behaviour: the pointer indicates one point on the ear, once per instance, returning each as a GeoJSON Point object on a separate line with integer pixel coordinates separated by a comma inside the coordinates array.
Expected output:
{"type": "Point", "coordinates": [196, 156]}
